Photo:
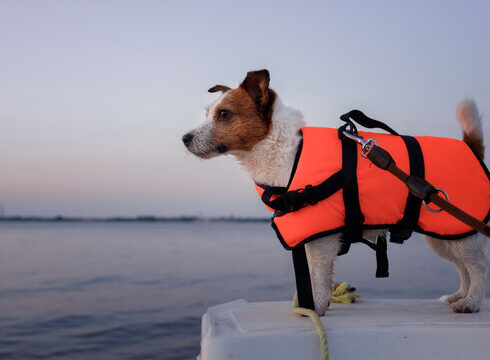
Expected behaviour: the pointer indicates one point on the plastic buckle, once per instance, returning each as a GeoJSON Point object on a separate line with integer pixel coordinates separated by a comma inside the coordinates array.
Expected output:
{"type": "Point", "coordinates": [295, 200]}
{"type": "Point", "coordinates": [290, 200]}
{"type": "Point", "coordinates": [309, 195]}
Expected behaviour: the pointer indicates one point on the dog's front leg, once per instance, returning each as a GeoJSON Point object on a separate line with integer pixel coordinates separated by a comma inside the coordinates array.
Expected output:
{"type": "Point", "coordinates": [321, 254]}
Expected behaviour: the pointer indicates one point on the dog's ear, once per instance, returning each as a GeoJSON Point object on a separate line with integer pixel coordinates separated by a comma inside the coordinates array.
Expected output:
{"type": "Point", "coordinates": [257, 85]}
{"type": "Point", "coordinates": [221, 88]}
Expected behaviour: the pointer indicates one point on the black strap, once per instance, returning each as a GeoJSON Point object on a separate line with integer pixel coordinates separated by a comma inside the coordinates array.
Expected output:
{"type": "Point", "coordinates": [269, 191]}
{"type": "Point", "coordinates": [293, 200]}
{"type": "Point", "coordinates": [381, 248]}
{"type": "Point", "coordinates": [353, 215]}
{"type": "Point", "coordinates": [403, 230]}
{"type": "Point", "coordinates": [359, 117]}
{"type": "Point", "coordinates": [381, 257]}
{"type": "Point", "coordinates": [303, 281]}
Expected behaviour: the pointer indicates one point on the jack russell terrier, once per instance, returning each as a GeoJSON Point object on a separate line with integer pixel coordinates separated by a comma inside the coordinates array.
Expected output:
{"type": "Point", "coordinates": [251, 123]}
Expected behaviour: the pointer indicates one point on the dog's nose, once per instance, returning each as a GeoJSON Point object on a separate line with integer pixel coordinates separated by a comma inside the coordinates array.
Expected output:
{"type": "Point", "coordinates": [187, 138]}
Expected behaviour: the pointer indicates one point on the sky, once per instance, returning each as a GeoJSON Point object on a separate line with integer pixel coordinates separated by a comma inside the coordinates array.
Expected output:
{"type": "Point", "coordinates": [95, 95]}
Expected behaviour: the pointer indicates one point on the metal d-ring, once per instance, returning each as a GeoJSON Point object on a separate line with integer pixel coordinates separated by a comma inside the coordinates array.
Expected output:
{"type": "Point", "coordinates": [437, 210]}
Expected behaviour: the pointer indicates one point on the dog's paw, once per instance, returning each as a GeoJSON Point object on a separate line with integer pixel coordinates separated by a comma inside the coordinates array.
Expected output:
{"type": "Point", "coordinates": [449, 299]}
{"type": "Point", "coordinates": [465, 306]}
{"type": "Point", "coordinates": [321, 308]}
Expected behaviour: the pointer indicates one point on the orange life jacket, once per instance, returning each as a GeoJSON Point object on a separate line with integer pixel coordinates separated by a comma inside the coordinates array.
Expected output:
{"type": "Point", "coordinates": [333, 189]}
{"type": "Point", "coordinates": [314, 203]}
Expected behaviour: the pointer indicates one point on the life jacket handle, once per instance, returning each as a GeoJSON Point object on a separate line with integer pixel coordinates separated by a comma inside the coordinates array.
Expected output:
{"type": "Point", "coordinates": [357, 116]}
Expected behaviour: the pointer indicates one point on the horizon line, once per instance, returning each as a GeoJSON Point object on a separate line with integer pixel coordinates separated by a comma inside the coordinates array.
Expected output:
{"type": "Point", "coordinates": [139, 218]}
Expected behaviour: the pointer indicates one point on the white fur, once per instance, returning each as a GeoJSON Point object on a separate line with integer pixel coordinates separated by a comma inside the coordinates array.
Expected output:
{"type": "Point", "coordinates": [468, 256]}
{"type": "Point", "coordinates": [202, 144]}
{"type": "Point", "coordinates": [469, 118]}
{"type": "Point", "coordinates": [271, 160]}
{"type": "Point", "coordinates": [202, 141]}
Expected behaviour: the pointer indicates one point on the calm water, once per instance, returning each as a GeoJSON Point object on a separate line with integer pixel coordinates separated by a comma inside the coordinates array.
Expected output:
{"type": "Point", "coordinates": [138, 290]}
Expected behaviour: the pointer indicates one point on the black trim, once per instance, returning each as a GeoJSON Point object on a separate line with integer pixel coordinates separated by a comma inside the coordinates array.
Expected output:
{"type": "Point", "coordinates": [281, 239]}
{"type": "Point", "coordinates": [369, 227]}
{"type": "Point", "coordinates": [296, 159]}
{"type": "Point", "coordinates": [480, 160]}
{"type": "Point", "coordinates": [403, 230]}
{"type": "Point", "coordinates": [276, 190]}
{"type": "Point", "coordinates": [303, 281]}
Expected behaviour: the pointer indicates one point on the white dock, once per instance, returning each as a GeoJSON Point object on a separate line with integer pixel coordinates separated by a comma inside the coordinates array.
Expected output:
{"type": "Point", "coordinates": [369, 329]}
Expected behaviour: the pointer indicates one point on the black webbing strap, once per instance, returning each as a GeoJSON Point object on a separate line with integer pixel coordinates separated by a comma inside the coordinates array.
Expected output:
{"type": "Point", "coordinates": [303, 281]}
{"type": "Point", "coordinates": [381, 248]}
{"type": "Point", "coordinates": [381, 257]}
{"type": "Point", "coordinates": [403, 230]}
{"type": "Point", "coordinates": [269, 191]}
{"type": "Point", "coordinates": [353, 215]}
{"type": "Point", "coordinates": [293, 200]}
{"type": "Point", "coordinates": [359, 117]}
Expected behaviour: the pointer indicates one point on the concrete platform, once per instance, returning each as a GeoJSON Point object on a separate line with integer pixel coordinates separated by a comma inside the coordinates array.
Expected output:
{"type": "Point", "coordinates": [369, 329]}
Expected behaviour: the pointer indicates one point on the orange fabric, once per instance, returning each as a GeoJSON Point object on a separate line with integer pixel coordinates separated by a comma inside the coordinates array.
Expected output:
{"type": "Point", "coordinates": [449, 164]}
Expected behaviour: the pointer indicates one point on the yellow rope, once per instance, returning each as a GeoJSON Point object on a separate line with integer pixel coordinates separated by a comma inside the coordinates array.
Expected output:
{"type": "Point", "coordinates": [320, 331]}
{"type": "Point", "coordinates": [344, 294]}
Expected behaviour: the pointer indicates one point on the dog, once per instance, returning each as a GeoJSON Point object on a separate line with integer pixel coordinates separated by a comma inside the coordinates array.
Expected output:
{"type": "Point", "coordinates": [251, 123]}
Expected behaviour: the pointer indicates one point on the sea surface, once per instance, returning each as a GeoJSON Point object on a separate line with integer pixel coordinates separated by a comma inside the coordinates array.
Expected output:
{"type": "Point", "coordinates": [136, 290]}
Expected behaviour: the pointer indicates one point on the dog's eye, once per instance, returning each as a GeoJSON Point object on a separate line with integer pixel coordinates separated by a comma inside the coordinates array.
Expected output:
{"type": "Point", "coordinates": [224, 115]}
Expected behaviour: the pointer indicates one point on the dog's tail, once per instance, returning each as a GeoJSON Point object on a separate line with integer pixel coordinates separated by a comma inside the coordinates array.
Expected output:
{"type": "Point", "coordinates": [470, 121]}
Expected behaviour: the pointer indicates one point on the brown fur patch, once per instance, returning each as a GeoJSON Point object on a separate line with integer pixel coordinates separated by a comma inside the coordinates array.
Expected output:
{"type": "Point", "coordinates": [257, 83]}
{"type": "Point", "coordinates": [249, 123]}
{"type": "Point", "coordinates": [476, 144]}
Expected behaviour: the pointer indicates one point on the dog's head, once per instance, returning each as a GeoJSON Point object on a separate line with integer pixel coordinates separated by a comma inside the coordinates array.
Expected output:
{"type": "Point", "coordinates": [237, 120]}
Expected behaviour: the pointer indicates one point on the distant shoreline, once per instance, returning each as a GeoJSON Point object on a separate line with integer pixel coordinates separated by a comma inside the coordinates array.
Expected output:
{"type": "Point", "coordinates": [132, 219]}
